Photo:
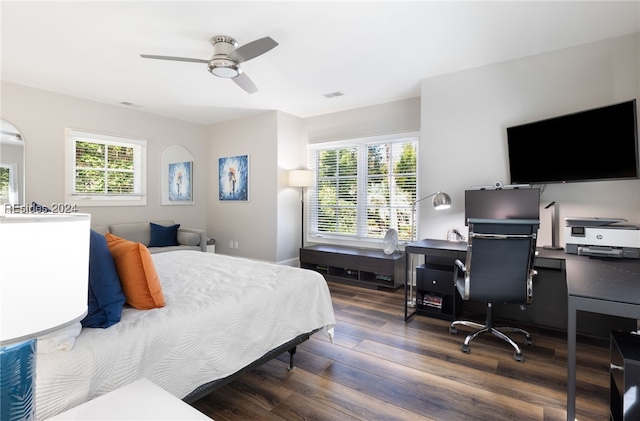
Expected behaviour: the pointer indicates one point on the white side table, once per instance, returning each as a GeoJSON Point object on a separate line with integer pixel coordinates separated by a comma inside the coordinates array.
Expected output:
{"type": "Point", "coordinates": [211, 248]}
{"type": "Point", "coordinates": [140, 400]}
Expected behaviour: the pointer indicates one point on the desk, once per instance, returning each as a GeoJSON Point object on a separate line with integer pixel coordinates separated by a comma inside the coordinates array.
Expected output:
{"type": "Point", "coordinates": [603, 286]}
{"type": "Point", "coordinates": [597, 286]}
{"type": "Point", "coordinates": [442, 253]}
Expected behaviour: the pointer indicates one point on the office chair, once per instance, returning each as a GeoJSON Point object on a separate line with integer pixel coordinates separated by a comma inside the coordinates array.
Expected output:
{"type": "Point", "coordinates": [498, 269]}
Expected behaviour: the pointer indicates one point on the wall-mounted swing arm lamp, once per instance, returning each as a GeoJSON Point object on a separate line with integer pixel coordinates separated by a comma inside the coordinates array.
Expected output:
{"type": "Point", "coordinates": [440, 201]}
{"type": "Point", "coordinates": [301, 178]}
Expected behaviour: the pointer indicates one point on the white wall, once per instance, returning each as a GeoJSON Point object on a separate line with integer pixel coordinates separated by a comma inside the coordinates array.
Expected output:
{"type": "Point", "coordinates": [391, 117]}
{"type": "Point", "coordinates": [291, 155]}
{"type": "Point", "coordinates": [465, 114]}
{"type": "Point", "coordinates": [42, 117]}
{"type": "Point", "coordinates": [253, 224]}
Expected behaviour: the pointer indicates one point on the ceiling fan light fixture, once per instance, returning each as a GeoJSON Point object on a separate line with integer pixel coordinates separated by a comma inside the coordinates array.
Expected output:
{"type": "Point", "coordinates": [224, 68]}
{"type": "Point", "coordinates": [226, 59]}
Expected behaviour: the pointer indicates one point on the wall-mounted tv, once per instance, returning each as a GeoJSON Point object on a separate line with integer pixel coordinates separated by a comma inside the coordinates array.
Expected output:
{"type": "Point", "coordinates": [597, 144]}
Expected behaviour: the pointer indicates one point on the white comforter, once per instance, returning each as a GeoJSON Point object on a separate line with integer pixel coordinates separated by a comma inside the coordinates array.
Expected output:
{"type": "Point", "coordinates": [221, 314]}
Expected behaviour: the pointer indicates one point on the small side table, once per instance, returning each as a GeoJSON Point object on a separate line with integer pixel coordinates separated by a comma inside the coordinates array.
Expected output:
{"type": "Point", "coordinates": [211, 245]}
{"type": "Point", "coordinates": [140, 400]}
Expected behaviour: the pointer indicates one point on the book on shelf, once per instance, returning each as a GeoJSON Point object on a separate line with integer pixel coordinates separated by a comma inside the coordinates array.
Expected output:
{"type": "Point", "coordinates": [430, 300]}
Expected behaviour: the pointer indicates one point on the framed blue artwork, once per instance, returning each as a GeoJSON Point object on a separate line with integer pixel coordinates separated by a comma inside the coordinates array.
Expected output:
{"type": "Point", "coordinates": [233, 178]}
{"type": "Point", "coordinates": [179, 183]}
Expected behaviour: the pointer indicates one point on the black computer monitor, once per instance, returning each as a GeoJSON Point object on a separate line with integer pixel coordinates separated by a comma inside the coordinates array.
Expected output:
{"type": "Point", "coordinates": [521, 203]}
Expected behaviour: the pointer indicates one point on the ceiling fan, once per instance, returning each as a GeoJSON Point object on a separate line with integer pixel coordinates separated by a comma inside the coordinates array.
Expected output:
{"type": "Point", "coordinates": [226, 58]}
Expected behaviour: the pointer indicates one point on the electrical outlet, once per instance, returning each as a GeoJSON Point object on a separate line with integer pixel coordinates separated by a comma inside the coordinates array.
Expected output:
{"type": "Point", "coordinates": [235, 244]}
{"type": "Point", "coordinates": [230, 244]}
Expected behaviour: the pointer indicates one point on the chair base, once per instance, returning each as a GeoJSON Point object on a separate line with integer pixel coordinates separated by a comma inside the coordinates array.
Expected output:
{"type": "Point", "coordinates": [488, 328]}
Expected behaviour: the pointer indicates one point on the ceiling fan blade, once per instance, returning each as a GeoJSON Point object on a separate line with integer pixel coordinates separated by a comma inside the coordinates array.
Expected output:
{"type": "Point", "coordinates": [245, 82]}
{"type": "Point", "coordinates": [252, 49]}
{"type": "Point", "coordinates": [190, 60]}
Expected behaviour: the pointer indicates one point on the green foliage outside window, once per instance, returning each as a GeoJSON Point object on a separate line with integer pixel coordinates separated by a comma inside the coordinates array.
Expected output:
{"type": "Point", "coordinates": [337, 190]}
{"type": "Point", "coordinates": [4, 184]}
{"type": "Point", "coordinates": [104, 168]}
{"type": "Point", "coordinates": [389, 182]}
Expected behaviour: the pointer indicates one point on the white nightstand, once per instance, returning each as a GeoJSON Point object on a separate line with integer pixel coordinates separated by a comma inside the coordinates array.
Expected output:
{"type": "Point", "coordinates": [211, 248]}
{"type": "Point", "coordinates": [140, 400]}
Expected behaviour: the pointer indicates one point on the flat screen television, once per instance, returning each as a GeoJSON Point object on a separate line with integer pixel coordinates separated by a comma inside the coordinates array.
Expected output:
{"type": "Point", "coordinates": [597, 144]}
{"type": "Point", "coordinates": [521, 203]}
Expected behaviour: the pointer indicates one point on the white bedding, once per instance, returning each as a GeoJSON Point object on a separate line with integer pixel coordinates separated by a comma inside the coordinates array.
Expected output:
{"type": "Point", "coordinates": [221, 314]}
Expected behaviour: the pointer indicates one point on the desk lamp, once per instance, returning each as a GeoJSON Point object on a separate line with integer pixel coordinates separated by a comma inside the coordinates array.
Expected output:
{"type": "Point", "coordinates": [440, 201]}
{"type": "Point", "coordinates": [302, 179]}
{"type": "Point", "coordinates": [44, 278]}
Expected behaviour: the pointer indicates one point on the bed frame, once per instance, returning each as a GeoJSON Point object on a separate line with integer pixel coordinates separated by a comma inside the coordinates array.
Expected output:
{"type": "Point", "coordinates": [290, 347]}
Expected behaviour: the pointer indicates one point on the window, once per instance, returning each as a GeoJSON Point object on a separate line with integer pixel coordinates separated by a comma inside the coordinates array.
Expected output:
{"type": "Point", "coordinates": [364, 187]}
{"type": "Point", "coordinates": [105, 170]}
{"type": "Point", "coordinates": [8, 183]}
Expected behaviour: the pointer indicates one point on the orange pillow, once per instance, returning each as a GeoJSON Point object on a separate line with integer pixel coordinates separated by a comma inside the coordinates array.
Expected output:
{"type": "Point", "coordinates": [138, 276]}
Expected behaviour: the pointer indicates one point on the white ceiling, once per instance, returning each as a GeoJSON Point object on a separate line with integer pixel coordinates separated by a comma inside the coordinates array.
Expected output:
{"type": "Point", "coordinates": [373, 52]}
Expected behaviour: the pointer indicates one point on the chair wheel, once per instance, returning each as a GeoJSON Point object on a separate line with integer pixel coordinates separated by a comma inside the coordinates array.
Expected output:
{"type": "Point", "coordinates": [528, 340]}
{"type": "Point", "coordinates": [518, 357]}
{"type": "Point", "coordinates": [453, 330]}
{"type": "Point", "coordinates": [466, 348]}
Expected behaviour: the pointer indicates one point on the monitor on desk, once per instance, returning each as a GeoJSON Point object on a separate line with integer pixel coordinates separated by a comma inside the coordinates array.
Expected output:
{"type": "Point", "coordinates": [522, 203]}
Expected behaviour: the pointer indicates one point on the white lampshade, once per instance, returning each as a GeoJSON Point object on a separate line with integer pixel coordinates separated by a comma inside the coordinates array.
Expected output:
{"type": "Point", "coordinates": [44, 270]}
{"type": "Point", "coordinates": [301, 178]}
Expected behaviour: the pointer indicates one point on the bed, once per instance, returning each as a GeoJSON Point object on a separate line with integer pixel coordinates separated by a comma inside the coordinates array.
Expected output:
{"type": "Point", "coordinates": [222, 315]}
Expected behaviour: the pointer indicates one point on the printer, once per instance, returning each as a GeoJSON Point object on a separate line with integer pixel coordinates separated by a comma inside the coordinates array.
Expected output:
{"type": "Point", "coordinates": [602, 237]}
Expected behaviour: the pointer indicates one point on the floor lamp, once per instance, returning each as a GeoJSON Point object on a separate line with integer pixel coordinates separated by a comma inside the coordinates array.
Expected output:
{"type": "Point", "coordinates": [440, 201]}
{"type": "Point", "coordinates": [302, 179]}
{"type": "Point", "coordinates": [44, 277]}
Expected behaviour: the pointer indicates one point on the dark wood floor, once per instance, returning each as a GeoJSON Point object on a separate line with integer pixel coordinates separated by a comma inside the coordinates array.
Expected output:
{"type": "Point", "coordinates": [381, 368]}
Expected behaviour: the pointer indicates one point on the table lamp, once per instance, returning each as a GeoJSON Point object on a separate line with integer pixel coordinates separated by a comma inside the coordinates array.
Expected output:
{"type": "Point", "coordinates": [302, 179]}
{"type": "Point", "coordinates": [44, 278]}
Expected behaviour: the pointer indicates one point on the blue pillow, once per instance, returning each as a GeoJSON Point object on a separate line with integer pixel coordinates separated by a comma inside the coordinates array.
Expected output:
{"type": "Point", "coordinates": [106, 298]}
{"type": "Point", "coordinates": [162, 236]}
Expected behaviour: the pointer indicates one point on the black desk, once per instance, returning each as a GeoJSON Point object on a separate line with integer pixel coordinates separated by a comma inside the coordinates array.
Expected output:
{"type": "Point", "coordinates": [423, 247]}
{"type": "Point", "coordinates": [604, 286]}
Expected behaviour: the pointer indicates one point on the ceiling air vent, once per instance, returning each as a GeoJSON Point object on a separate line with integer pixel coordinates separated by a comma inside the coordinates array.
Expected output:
{"type": "Point", "coordinates": [333, 94]}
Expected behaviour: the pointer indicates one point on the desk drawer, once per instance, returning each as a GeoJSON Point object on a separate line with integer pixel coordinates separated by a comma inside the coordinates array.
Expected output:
{"type": "Point", "coordinates": [435, 278]}
{"type": "Point", "coordinates": [441, 257]}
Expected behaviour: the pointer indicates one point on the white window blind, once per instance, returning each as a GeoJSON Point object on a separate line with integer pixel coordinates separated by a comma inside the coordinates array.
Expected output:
{"type": "Point", "coordinates": [363, 187]}
{"type": "Point", "coordinates": [105, 170]}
